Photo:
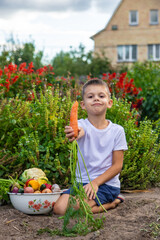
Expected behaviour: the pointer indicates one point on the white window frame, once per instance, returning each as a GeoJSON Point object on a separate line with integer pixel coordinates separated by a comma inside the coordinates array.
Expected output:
{"type": "Point", "coordinates": [151, 22]}
{"type": "Point", "coordinates": [123, 48]}
{"type": "Point", "coordinates": [153, 58]}
{"type": "Point", "coordinates": [130, 18]}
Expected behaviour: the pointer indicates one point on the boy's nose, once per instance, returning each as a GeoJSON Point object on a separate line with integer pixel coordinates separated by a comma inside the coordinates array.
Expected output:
{"type": "Point", "coordinates": [96, 98]}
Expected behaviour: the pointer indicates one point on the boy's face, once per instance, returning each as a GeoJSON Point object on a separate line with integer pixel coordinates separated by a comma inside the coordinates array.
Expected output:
{"type": "Point", "coordinates": [96, 100]}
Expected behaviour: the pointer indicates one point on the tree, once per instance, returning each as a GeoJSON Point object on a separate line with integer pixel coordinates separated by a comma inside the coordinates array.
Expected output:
{"type": "Point", "coordinates": [18, 53]}
{"type": "Point", "coordinates": [79, 63]}
{"type": "Point", "coordinates": [62, 63]}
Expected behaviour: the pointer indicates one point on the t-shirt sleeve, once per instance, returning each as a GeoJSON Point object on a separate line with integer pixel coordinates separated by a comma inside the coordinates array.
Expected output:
{"type": "Point", "coordinates": [81, 123]}
{"type": "Point", "coordinates": [120, 142]}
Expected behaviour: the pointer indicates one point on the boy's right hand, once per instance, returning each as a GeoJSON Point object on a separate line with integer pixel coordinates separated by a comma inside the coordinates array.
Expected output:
{"type": "Point", "coordinates": [70, 133]}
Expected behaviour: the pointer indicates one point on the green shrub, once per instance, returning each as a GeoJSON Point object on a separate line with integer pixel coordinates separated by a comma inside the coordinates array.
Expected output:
{"type": "Point", "coordinates": [32, 134]}
{"type": "Point", "coordinates": [142, 159]}
{"type": "Point", "coordinates": [147, 76]}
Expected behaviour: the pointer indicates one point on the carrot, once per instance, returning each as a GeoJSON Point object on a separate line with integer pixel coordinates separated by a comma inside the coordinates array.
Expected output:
{"type": "Point", "coordinates": [74, 118]}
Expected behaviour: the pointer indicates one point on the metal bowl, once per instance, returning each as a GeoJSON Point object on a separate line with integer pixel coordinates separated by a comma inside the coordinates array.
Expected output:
{"type": "Point", "coordinates": [34, 203]}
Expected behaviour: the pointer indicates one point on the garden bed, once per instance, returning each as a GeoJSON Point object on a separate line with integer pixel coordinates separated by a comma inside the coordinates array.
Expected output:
{"type": "Point", "coordinates": [137, 218]}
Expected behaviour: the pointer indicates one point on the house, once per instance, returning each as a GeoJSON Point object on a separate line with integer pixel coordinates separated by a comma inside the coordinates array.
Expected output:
{"type": "Point", "coordinates": [132, 34]}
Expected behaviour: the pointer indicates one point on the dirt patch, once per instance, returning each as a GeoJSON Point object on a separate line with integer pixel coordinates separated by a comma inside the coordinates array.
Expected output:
{"type": "Point", "coordinates": [138, 218]}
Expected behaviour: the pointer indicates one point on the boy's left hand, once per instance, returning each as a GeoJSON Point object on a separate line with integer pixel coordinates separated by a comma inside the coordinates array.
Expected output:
{"type": "Point", "coordinates": [89, 190]}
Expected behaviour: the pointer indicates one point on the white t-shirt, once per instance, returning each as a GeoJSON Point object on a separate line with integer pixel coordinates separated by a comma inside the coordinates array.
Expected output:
{"type": "Point", "coordinates": [97, 146]}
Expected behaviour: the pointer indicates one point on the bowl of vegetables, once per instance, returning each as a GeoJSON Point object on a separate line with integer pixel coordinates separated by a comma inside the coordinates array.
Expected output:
{"type": "Point", "coordinates": [33, 193]}
{"type": "Point", "coordinates": [31, 203]}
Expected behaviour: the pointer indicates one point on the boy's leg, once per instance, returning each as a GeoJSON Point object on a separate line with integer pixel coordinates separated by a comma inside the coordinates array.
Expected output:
{"type": "Point", "coordinates": [107, 206]}
{"type": "Point", "coordinates": [61, 204]}
{"type": "Point", "coordinates": [110, 205]}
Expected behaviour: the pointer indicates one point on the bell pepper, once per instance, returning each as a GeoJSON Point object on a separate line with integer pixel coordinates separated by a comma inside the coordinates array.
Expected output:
{"type": "Point", "coordinates": [42, 180]}
{"type": "Point", "coordinates": [49, 186]}
{"type": "Point", "coordinates": [26, 184]}
{"type": "Point", "coordinates": [34, 184]}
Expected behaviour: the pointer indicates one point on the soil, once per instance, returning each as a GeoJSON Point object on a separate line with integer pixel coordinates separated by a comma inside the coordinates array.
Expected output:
{"type": "Point", "coordinates": [137, 218]}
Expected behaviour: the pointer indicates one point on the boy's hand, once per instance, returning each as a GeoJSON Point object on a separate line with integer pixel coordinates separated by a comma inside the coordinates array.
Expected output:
{"type": "Point", "coordinates": [89, 190]}
{"type": "Point", "coordinates": [70, 133]}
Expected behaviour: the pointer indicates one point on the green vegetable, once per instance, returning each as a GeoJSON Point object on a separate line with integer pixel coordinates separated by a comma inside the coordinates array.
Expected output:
{"type": "Point", "coordinates": [32, 173]}
{"type": "Point", "coordinates": [21, 190]}
{"type": "Point", "coordinates": [42, 187]}
{"type": "Point", "coordinates": [7, 185]}
{"type": "Point", "coordinates": [85, 221]}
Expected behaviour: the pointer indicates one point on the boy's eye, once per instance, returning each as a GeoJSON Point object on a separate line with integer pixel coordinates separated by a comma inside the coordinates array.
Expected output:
{"type": "Point", "coordinates": [102, 96]}
{"type": "Point", "coordinates": [89, 96]}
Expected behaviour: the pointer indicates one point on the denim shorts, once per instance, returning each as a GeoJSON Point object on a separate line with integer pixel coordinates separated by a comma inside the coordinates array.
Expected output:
{"type": "Point", "coordinates": [105, 194]}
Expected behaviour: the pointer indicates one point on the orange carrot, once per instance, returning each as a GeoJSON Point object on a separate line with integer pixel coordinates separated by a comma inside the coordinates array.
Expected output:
{"type": "Point", "coordinates": [74, 118]}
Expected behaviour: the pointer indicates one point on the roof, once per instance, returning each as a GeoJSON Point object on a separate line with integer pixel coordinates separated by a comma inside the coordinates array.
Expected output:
{"type": "Point", "coordinates": [92, 37]}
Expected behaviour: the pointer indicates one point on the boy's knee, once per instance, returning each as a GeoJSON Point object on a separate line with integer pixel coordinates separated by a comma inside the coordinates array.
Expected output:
{"type": "Point", "coordinates": [58, 210]}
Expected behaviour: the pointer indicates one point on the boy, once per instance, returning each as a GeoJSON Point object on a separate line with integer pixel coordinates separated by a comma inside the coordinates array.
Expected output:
{"type": "Point", "coordinates": [102, 144]}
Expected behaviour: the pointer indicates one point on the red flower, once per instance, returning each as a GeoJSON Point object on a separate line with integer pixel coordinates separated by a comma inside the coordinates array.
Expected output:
{"type": "Point", "coordinates": [45, 68]}
{"type": "Point", "coordinates": [49, 84]}
{"type": "Point", "coordinates": [7, 84]}
{"type": "Point", "coordinates": [1, 72]}
{"type": "Point", "coordinates": [50, 67]}
{"type": "Point", "coordinates": [31, 203]}
{"type": "Point", "coordinates": [30, 68]}
{"type": "Point", "coordinates": [47, 203]}
{"type": "Point", "coordinates": [104, 74]}
{"type": "Point", "coordinates": [38, 82]}
{"type": "Point", "coordinates": [6, 70]}
{"type": "Point", "coordinates": [40, 71]}
{"type": "Point", "coordinates": [135, 91]}
{"type": "Point", "coordinates": [22, 66]}
{"type": "Point", "coordinates": [31, 97]}
{"type": "Point", "coordinates": [30, 65]}
{"type": "Point", "coordinates": [114, 75]}
{"type": "Point", "coordinates": [37, 206]}
{"type": "Point", "coordinates": [12, 68]}
{"type": "Point", "coordinates": [14, 79]}
{"type": "Point", "coordinates": [8, 75]}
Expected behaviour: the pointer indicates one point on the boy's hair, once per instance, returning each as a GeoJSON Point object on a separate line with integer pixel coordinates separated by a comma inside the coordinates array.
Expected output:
{"type": "Point", "coordinates": [95, 82]}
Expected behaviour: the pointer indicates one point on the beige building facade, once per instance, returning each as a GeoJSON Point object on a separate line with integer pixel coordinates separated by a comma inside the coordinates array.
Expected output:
{"type": "Point", "coordinates": [132, 34]}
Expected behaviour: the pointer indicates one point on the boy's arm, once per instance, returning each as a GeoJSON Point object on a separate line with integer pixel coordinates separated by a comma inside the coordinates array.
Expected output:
{"type": "Point", "coordinates": [117, 164]}
{"type": "Point", "coordinates": [70, 133]}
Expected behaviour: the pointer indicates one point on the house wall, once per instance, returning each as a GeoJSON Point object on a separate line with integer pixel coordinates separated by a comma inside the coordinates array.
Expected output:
{"type": "Point", "coordinates": [141, 34]}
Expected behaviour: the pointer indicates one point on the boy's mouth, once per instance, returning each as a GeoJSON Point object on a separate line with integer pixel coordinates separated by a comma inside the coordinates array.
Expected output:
{"type": "Point", "coordinates": [97, 104]}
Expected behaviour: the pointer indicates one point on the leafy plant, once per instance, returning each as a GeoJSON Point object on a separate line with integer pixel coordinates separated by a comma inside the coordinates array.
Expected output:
{"type": "Point", "coordinates": [85, 222]}
{"type": "Point", "coordinates": [146, 76]}
{"type": "Point", "coordinates": [34, 111]}
{"type": "Point", "coordinates": [141, 161]}
{"type": "Point", "coordinates": [32, 134]}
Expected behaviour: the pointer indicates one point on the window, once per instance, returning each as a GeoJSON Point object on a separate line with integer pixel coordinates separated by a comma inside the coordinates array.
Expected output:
{"type": "Point", "coordinates": [114, 27]}
{"type": "Point", "coordinates": [133, 18]}
{"type": "Point", "coordinates": [154, 52]}
{"type": "Point", "coordinates": [127, 53]}
{"type": "Point", "coordinates": [153, 17]}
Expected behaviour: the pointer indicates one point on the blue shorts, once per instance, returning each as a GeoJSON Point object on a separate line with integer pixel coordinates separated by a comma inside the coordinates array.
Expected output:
{"type": "Point", "coordinates": [106, 193]}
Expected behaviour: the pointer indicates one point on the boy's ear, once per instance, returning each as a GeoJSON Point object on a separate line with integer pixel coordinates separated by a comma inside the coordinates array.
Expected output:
{"type": "Point", "coordinates": [82, 105]}
{"type": "Point", "coordinates": [110, 103]}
